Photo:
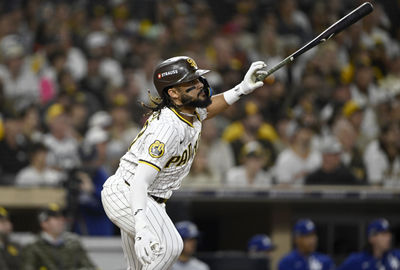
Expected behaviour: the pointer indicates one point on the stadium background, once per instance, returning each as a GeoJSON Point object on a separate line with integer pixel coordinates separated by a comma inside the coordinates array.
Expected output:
{"type": "Point", "coordinates": [74, 59]}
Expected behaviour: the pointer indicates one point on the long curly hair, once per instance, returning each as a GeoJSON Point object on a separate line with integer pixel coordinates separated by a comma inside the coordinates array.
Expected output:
{"type": "Point", "coordinates": [156, 103]}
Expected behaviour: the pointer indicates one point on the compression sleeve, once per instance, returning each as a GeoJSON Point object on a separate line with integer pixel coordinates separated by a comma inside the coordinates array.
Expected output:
{"type": "Point", "coordinates": [144, 176]}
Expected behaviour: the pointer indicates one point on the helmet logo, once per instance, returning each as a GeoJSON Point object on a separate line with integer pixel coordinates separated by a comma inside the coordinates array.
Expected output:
{"type": "Point", "coordinates": [192, 62]}
{"type": "Point", "coordinates": [167, 73]}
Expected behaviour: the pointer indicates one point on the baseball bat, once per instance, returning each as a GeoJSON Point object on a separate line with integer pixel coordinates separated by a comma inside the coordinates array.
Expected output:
{"type": "Point", "coordinates": [332, 30]}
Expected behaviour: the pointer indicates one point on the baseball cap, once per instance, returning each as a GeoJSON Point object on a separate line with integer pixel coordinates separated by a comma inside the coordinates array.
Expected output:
{"type": "Point", "coordinates": [304, 227]}
{"type": "Point", "coordinates": [260, 242]}
{"type": "Point", "coordinates": [3, 213]}
{"type": "Point", "coordinates": [330, 145]}
{"type": "Point", "coordinates": [100, 119]}
{"type": "Point", "coordinates": [253, 148]}
{"type": "Point", "coordinates": [350, 107]}
{"type": "Point", "coordinates": [52, 210]}
{"type": "Point", "coordinates": [187, 229]}
{"type": "Point", "coordinates": [54, 111]}
{"type": "Point", "coordinates": [377, 226]}
{"type": "Point", "coordinates": [97, 39]}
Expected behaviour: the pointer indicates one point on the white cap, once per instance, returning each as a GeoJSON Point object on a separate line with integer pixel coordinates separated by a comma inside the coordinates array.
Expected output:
{"type": "Point", "coordinates": [11, 47]}
{"type": "Point", "coordinates": [97, 39]}
{"type": "Point", "coordinates": [330, 145]}
{"type": "Point", "coordinates": [95, 136]}
{"type": "Point", "coordinates": [100, 119]}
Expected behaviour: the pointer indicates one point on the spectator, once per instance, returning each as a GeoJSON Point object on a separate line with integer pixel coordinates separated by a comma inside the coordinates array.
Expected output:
{"type": "Point", "coordinates": [189, 233]}
{"type": "Point", "coordinates": [218, 154]}
{"type": "Point", "coordinates": [260, 245]}
{"type": "Point", "coordinates": [353, 113]}
{"type": "Point", "coordinates": [304, 256]}
{"type": "Point", "coordinates": [347, 135]}
{"type": "Point", "coordinates": [382, 157]}
{"type": "Point", "coordinates": [251, 127]}
{"type": "Point", "coordinates": [30, 122]}
{"type": "Point", "coordinates": [378, 253]}
{"type": "Point", "coordinates": [366, 93]}
{"type": "Point", "coordinates": [143, 76]}
{"type": "Point", "coordinates": [251, 173]}
{"type": "Point", "coordinates": [201, 173]}
{"type": "Point", "coordinates": [95, 82]}
{"type": "Point", "coordinates": [332, 171]}
{"type": "Point", "coordinates": [55, 248]}
{"type": "Point", "coordinates": [38, 173]}
{"type": "Point", "coordinates": [90, 218]}
{"type": "Point", "coordinates": [98, 45]}
{"type": "Point", "coordinates": [298, 160]}
{"type": "Point", "coordinates": [63, 147]}
{"type": "Point", "coordinates": [9, 251]}
{"type": "Point", "coordinates": [76, 61]}
{"type": "Point", "coordinates": [122, 132]}
{"type": "Point", "coordinates": [13, 147]}
{"type": "Point", "coordinates": [21, 84]}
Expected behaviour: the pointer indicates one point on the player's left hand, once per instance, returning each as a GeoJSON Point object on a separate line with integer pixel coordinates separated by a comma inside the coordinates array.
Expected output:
{"type": "Point", "coordinates": [147, 247]}
{"type": "Point", "coordinates": [250, 83]}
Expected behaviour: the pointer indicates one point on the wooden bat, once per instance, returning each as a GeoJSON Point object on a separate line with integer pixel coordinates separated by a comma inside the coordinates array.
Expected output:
{"type": "Point", "coordinates": [354, 16]}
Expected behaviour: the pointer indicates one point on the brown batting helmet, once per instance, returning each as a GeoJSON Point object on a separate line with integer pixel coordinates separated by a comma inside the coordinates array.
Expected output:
{"type": "Point", "coordinates": [176, 70]}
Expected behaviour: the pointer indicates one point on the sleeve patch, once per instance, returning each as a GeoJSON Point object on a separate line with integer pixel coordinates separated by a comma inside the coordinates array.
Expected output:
{"type": "Point", "coordinates": [156, 149]}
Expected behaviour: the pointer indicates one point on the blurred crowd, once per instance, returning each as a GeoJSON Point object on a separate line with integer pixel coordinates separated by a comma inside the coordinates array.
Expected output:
{"type": "Point", "coordinates": [73, 75]}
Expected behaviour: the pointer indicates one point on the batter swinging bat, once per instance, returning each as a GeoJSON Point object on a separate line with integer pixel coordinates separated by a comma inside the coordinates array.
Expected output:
{"type": "Point", "coordinates": [332, 30]}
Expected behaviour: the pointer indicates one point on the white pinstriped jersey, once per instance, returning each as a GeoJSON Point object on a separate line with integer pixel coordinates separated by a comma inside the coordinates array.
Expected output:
{"type": "Point", "coordinates": [168, 143]}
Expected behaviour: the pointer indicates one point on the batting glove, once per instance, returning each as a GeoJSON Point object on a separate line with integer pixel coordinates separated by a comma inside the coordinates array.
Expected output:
{"type": "Point", "coordinates": [147, 246]}
{"type": "Point", "coordinates": [248, 85]}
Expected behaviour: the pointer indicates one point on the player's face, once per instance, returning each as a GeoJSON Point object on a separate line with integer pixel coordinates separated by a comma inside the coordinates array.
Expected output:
{"type": "Point", "coordinates": [189, 246]}
{"type": "Point", "coordinates": [381, 241]}
{"type": "Point", "coordinates": [193, 94]}
{"type": "Point", "coordinates": [307, 243]}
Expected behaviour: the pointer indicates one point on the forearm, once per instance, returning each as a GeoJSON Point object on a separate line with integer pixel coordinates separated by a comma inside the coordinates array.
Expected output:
{"type": "Point", "coordinates": [222, 101]}
{"type": "Point", "coordinates": [217, 106]}
{"type": "Point", "coordinates": [144, 175]}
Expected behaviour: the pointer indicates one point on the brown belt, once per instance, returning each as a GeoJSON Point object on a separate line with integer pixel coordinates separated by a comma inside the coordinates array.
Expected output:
{"type": "Point", "coordinates": [157, 199]}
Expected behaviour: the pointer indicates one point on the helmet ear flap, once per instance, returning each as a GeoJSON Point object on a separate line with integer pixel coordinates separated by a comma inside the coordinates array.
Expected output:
{"type": "Point", "coordinates": [207, 86]}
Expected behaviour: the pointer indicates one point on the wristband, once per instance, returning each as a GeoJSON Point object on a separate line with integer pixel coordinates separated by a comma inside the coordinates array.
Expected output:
{"type": "Point", "coordinates": [232, 95]}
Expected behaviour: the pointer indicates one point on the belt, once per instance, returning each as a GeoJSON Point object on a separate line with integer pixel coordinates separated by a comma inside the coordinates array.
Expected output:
{"type": "Point", "coordinates": [157, 199]}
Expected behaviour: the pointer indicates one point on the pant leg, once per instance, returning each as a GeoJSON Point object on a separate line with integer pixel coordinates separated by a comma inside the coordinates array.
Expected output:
{"type": "Point", "coordinates": [129, 252]}
{"type": "Point", "coordinates": [115, 201]}
{"type": "Point", "coordinates": [166, 232]}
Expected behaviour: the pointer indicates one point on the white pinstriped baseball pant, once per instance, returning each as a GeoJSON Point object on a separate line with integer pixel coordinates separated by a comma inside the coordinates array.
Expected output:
{"type": "Point", "coordinates": [116, 205]}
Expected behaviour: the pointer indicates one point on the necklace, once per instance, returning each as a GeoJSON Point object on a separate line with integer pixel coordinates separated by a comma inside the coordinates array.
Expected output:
{"type": "Point", "coordinates": [187, 114]}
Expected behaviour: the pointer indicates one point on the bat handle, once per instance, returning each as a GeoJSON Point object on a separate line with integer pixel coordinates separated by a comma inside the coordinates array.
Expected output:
{"type": "Point", "coordinates": [262, 76]}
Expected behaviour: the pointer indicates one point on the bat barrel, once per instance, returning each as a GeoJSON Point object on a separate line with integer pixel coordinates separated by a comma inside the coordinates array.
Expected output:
{"type": "Point", "coordinates": [332, 30]}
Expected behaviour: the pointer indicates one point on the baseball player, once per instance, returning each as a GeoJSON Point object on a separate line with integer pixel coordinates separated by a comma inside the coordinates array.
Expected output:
{"type": "Point", "coordinates": [304, 256]}
{"type": "Point", "coordinates": [260, 245]}
{"type": "Point", "coordinates": [160, 157]}
{"type": "Point", "coordinates": [379, 254]}
{"type": "Point", "coordinates": [189, 233]}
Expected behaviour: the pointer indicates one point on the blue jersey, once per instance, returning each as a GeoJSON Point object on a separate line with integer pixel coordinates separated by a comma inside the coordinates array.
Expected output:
{"type": "Point", "coordinates": [365, 261]}
{"type": "Point", "coordinates": [296, 261]}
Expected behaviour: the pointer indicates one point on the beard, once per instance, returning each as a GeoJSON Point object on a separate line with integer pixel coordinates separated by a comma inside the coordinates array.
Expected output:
{"type": "Point", "coordinates": [196, 103]}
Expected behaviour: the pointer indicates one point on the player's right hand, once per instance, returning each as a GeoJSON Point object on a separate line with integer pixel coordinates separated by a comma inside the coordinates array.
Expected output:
{"type": "Point", "coordinates": [250, 83]}
{"type": "Point", "coordinates": [147, 246]}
